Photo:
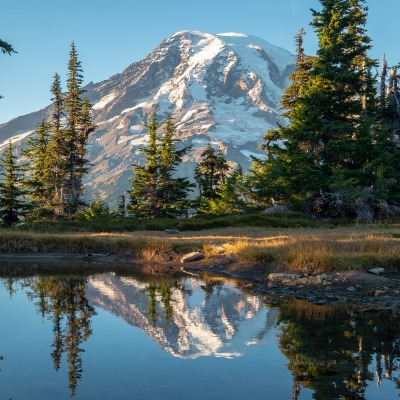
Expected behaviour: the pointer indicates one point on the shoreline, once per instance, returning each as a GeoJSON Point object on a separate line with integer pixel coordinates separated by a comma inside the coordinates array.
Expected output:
{"type": "Point", "coordinates": [352, 287]}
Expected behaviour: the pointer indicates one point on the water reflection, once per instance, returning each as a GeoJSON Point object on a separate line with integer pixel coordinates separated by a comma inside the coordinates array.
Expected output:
{"type": "Point", "coordinates": [337, 352]}
{"type": "Point", "coordinates": [332, 353]}
{"type": "Point", "coordinates": [63, 301]}
{"type": "Point", "coordinates": [186, 317]}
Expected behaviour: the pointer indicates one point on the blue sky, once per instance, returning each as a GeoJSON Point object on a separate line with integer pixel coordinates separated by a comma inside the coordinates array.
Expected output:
{"type": "Point", "coordinates": [112, 34]}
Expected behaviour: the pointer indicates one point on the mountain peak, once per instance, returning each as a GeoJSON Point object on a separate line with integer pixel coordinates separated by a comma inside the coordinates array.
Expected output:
{"type": "Point", "coordinates": [220, 88]}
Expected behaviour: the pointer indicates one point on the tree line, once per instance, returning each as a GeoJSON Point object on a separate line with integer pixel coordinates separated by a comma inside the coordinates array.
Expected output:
{"type": "Point", "coordinates": [338, 155]}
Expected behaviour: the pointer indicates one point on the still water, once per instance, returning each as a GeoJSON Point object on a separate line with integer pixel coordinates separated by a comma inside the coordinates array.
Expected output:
{"type": "Point", "coordinates": [109, 336]}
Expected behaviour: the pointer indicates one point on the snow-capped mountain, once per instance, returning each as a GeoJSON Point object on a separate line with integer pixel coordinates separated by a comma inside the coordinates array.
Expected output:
{"type": "Point", "coordinates": [224, 89]}
{"type": "Point", "coordinates": [221, 322]}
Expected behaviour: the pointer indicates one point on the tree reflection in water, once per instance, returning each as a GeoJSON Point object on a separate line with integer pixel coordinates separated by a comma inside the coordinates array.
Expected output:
{"type": "Point", "coordinates": [63, 301]}
{"type": "Point", "coordinates": [159, 292]}
{"type": "Point", "coordinates": [331, 350]}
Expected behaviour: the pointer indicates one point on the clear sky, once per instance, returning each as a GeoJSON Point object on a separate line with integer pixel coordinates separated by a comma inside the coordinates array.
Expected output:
{"type": "Point", "coordinates": [110, 35]}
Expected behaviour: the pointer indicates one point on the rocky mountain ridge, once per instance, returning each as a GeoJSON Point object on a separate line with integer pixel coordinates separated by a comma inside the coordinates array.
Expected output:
{"type": "Point", "coordinates": [222, 89]}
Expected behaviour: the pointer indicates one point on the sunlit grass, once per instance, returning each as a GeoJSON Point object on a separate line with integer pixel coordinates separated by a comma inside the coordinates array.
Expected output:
{"type": "Point", "coordinates": [295, 249]}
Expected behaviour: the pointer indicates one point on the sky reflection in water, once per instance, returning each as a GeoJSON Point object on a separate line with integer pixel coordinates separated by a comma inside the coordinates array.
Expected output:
{"type": "Point", "coordinates": [108, 336]}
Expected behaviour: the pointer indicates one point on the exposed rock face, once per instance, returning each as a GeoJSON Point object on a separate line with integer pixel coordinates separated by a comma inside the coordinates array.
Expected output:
{"type": "Point", "coordinates": [224, 89]}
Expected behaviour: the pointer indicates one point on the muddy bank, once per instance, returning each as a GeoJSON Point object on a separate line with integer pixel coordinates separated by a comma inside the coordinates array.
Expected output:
{"type": "Point", "coordinates": [338, 287]}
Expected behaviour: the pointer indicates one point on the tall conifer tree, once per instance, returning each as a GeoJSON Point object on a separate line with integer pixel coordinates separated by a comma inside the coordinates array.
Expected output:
{"type": "Point", "coordinates": [40, 184]}
{"type": "Point", "coordinates": [12, 195]}
{"type": "Point", "coordinates": [73, 104]}
{"type": "Point", "coordinates": [331, 104]}
{"type": "Point", "coordinates": [156, 192]}
{"type": "Point", "coordinates": [211, 172]}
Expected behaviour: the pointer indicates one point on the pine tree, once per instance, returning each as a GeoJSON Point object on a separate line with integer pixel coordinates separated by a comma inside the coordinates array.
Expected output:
{"type": "Point", "coordinates": [211, 172]}
{"type": "Point", "coordinates": [230, 197]}
{"type": "Point", "coordinates": [40, 185]}
{"type": "Point", "coordinates": [79, 126]}
{"type": "Point", "coordinates": [331, 104]}
{"type": "Point", "coordinates": [173, 191]}
{"type": "Point", "coordinates": [57, 151]}
{"type": "Point", "coordinates": [144, 200]}
{"type": "Point", "coordinates": [156, 192]}
{"type": "Point", "coordinates": [121, 208]}
{"type": "Point", "coordinates": [12, 195]}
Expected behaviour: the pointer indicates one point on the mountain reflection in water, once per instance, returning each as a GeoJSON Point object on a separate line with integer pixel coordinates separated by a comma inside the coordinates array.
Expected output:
{"type": "Point", "coordinates": [331, 353]}
{"type": "Point", "coordinates": [188, 318]}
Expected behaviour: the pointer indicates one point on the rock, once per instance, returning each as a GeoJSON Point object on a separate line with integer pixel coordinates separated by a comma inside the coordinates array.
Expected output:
{"type": "Point", "coordinates": [379, 293]}
{"type": "Point", "coordinates": [323, 276]}
{"type": "Point", "coordinates": [195, 256]}
{"type": "Point", "coordinates": [377, 271]}
{"type": "Point", "coordinates": [351, 289]}
{"type": "Point", "coordinates": [172, 231]}
{"type": "Point", "coordinates": [314, 280]}
{"type": "Point", "coordinates": [276, 210]}
{"type": "Point", "coordinates": [302, 281]}
{"type": "Point", "coordinates": [278, 276]}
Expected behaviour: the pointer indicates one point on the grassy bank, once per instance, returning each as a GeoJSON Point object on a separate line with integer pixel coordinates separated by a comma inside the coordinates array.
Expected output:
{"type": "Point", "coordinates": [196, 223]}
{"type": "Point", "coordinates": [295, 249]}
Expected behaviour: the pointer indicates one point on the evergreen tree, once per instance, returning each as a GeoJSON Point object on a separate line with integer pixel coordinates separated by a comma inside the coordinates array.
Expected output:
{"type": "Point", "coordinates": [56, 149]}
{"type": "Point", "coordinates": [229, 197]}
{"type": "Point", "coordinates": [40, 184]}
{"type": "Point", "coordinates": [79, 126]}
{"type": "Point", "coordinates": [97, 209]}
{"type": "Point", "coordinates": [121, 208]}
{"type": "Point", "coordinates": [211, 172]}
{"type": "Point", "coordinates": [12, 203]}
{"type": "Point", "coordinates": [143, 196]}
{"type": "Point", "coordinates": [330, 105]}
{"type": "Point", "coordinates": [156, 192]}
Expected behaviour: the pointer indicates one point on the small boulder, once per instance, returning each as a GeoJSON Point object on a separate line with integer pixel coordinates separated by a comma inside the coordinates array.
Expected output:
{"type": "Point", "coordinates": [195, 256]}
{"type": "Point", "coordinates": [377, 271]}
{"type": "Point", "coordinates": [303, 281]}
{"type": "Point", "coordinates": [314, 280]}
{"type": "Point", "coordinates": [172, 231]}
{"type": "Point", "coordinates": [379, 293]}
{"type": "Point", "coordinates": [276, 210]}
{"type": "Point", "coordinates": [278, 276]}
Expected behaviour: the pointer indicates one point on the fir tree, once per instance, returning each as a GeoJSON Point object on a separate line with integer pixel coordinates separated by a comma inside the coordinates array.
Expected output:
{"type": "Point", "coordinates": [156, 192]}
{"type": "Point", "coordinates": [57, 151]}
{"type": "Point", "coordinates": [211, 172]}
{"type": "Point", "coordinates": [230, 197]}
{"type": "Point", "coordinates": [79, 126]}
{"type": "Point", "coordinates": [330, 106]}
{"type": "Point", "coordinates": [121, 208]}
{"type": "Point", "coordinates": [144, 200]}
{"type": "Point", "coordinates": [12, 202]}
{"type": "Point", "coordinates": [40, 184]}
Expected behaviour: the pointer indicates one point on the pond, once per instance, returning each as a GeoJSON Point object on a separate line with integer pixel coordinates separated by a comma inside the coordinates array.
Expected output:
{"type": "Point", "coordinates": [112, 336]}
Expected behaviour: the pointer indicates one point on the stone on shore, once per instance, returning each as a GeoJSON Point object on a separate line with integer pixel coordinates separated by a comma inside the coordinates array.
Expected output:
{"type": "Point", "coordinates": [278, 276]}
{"type": "Point", "coordinates": [172, 231]}
{"type": "Point", "coordinates": [195, 256]}
{"type": "Point", "coordinates": [377, 271]}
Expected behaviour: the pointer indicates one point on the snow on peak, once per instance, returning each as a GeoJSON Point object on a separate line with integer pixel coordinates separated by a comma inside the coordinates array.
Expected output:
{"type": "Point", "coordinates": [232, 34]}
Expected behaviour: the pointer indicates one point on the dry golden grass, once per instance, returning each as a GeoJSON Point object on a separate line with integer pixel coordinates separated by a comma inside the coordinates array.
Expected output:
{"type": "Point", "coordinates": [301, 249]}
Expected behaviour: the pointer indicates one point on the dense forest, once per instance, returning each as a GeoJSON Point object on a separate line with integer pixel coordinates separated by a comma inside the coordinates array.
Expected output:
{"type": "Point", "coordinates": [337, 156]}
